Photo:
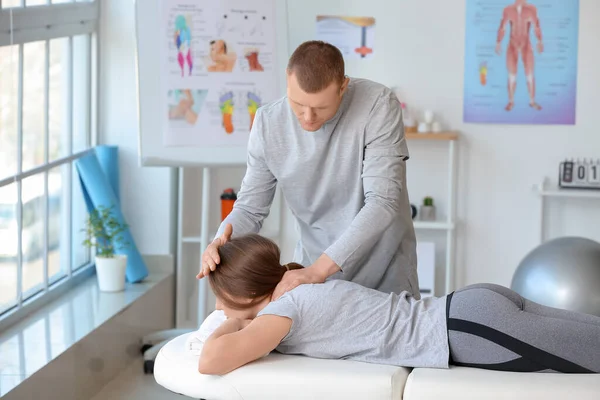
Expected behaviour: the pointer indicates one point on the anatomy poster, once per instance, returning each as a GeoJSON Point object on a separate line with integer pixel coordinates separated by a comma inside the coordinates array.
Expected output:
{"type": "Point", "coordinates": [218, 68]}
{"type": "Point", "coordinates": [521, 61]}
{"type": "Point", "coordinates": [354, 36]}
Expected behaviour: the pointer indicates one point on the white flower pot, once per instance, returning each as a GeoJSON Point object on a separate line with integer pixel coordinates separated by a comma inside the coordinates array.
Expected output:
{"type": "Point", "coordinates": [427, 213]}
{"type": "Point", "coordinates": [111, 272]}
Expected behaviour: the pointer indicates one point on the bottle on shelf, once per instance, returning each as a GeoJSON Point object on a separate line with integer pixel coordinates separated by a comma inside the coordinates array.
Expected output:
{"type": "Point", "coordinates": [228, 198]}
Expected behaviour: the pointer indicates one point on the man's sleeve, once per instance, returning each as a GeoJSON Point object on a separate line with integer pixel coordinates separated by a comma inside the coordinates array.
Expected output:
{"type": "Point", "coordinates": [257, 189]}
{"type": "Point", "coordinates": [384, 172]}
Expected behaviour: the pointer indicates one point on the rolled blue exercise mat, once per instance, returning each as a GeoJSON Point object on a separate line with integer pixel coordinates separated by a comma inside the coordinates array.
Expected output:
{"type": "Point", "coordinates": [108, 157]}
{"type": "Point", "coordinates": [97, 191]}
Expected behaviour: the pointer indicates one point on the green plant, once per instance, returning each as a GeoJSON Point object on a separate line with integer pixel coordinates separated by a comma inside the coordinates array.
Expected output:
{"type": "Point", "coordinates": [103, 231]}
{"type": "Point", "coordinates": [428, 201]}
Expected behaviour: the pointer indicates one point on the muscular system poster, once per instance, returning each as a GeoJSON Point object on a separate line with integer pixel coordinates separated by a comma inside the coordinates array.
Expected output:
{"type": "Point", "coordinates": [218, 68]}
{"type": "Point", "coordinates": [521, 61]}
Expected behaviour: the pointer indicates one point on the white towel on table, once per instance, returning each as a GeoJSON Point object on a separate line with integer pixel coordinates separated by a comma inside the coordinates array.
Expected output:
{"type": "Point", "coordinates": [196, 339]}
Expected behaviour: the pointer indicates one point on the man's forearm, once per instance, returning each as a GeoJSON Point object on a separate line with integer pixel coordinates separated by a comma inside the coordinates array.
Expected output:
{"type": "Point", "coordinates": [362, 234]}
{"type": "Point", "coordinates": [325, 267]}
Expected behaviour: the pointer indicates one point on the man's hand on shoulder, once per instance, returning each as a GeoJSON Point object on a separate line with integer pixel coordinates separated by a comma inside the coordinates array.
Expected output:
{"type": "Point", "coordinates": [318, 272]}
{"type": "Point", "coordinates": [294, 278]}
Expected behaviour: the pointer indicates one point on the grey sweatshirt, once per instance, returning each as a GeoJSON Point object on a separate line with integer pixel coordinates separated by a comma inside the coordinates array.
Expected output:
{"type": "Point", "coordinates": [345, 184]}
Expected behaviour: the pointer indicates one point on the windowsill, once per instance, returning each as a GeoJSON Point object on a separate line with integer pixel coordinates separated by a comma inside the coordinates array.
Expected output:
{"type": "Point", "coordinates": [41, 337]}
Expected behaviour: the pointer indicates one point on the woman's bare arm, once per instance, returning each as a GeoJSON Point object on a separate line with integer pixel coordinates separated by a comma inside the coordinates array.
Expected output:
{"type": "Point", "coordinates": [232, 345]}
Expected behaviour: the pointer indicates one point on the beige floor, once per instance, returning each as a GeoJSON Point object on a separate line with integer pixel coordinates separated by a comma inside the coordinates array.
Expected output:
{"type": "Point", "coordinates": [133, 384]}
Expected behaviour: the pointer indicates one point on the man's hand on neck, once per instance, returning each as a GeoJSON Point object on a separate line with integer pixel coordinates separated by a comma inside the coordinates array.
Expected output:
{"type": "Point", "coordinates": [318, 272]}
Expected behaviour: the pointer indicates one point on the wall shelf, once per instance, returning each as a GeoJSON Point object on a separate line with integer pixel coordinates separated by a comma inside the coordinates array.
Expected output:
{"type": "Point", "coordinates": [191, 239]}
{"type": "Point", "coordinates": [581, 193]}
{"type": "Point", "coordinates": [437, 225]}
{"type": "Point", "coordinates": [447, 136]}
{"type": "Point", "coordinates": [546, 191]}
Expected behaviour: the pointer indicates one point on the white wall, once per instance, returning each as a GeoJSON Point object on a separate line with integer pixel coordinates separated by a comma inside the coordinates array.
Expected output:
{"type": "Point", "coordinates": [498, 213]}
{"type": "Point", "coordinates": [146, 193]}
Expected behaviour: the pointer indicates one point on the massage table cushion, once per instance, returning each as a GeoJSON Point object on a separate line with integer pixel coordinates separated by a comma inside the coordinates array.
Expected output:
{"type": "Point", "coordinates": [278, 376]}
{"type": "Point", "coordinates": [461, 383]}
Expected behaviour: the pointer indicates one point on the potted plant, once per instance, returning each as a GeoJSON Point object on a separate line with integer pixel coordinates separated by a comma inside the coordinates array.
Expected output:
{"type": "Point", "coordinates": [104, 233]}
{"type": "Point", "coordinates": [427, 209]}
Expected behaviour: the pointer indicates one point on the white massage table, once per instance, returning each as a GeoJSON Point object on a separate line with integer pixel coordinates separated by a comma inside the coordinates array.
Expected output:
{"type": "Point", "coordinates": [280, 377]}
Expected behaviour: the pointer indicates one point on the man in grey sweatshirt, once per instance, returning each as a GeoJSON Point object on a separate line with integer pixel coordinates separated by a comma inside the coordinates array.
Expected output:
{"type": "Point", "coordinates": [337, 149]}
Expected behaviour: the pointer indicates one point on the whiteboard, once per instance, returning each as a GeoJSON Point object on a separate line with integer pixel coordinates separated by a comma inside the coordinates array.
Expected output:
{"type": "Point", "coordinates": [151, 33]}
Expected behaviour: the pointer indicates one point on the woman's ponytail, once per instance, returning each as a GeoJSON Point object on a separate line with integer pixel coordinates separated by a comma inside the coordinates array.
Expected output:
{"type": "Point", "coordinates": [292, 265]}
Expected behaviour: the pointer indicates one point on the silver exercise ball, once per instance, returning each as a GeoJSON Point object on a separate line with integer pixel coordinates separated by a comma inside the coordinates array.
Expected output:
{"type": "Point", "coordinates": [562, 273]}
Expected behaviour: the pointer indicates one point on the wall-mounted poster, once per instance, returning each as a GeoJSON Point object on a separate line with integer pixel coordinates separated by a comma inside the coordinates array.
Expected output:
{"type": "Point", "coordinates": [521, 61]}
{"type": "Point", "coordinates": [218, 68]}
{"type": "Point", "coordinates": [354, 36]}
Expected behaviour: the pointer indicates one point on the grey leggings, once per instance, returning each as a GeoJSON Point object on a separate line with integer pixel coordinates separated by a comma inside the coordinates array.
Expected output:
{"type": "Point", "coordinates": [493, 327]}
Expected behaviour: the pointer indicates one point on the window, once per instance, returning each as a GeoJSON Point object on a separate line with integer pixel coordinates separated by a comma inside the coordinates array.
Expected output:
{"type": "Point", "coordinates": [48, 86]}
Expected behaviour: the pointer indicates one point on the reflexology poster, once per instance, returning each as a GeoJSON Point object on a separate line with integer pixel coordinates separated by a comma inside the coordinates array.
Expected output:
{"type": "Point", "coordinates": [521, 61]}
{"type": "Point", "coordinates": [354, 36]}
{"type": "Point", "coordinates": [218, 67]}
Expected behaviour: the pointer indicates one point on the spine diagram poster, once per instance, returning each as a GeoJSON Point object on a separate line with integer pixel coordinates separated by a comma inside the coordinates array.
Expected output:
{"type": "Point", "coordinates": [218, 67]}
{"type": "Point", "coordinates": [354, 36]}
{"type": "Point", "coordinates": [521, 61]}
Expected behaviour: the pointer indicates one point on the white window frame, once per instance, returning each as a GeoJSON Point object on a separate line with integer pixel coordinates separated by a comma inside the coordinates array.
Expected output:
{"type": "Point", "coordinates": [25, 24]}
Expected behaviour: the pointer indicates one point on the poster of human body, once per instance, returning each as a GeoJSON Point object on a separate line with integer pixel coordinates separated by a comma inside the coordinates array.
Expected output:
{"type": "Point", "coordinates": [218, 68]}
{"type": "Point", "coordinates": [521, 61]}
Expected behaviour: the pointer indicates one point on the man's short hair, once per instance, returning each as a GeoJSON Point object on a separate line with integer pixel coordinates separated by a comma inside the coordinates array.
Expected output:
{"type": "Point", "coordinates": [316, 65]}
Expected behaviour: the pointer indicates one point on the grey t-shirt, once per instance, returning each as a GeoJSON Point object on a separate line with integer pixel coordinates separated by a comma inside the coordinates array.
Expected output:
{"type": "Point", "coordinates": [345, 184]}
{"type": "Point", "coordinates": [343, 320]}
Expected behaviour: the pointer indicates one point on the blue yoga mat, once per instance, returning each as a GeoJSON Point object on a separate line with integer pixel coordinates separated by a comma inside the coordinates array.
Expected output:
{"type": "Point", "coordinates": [108, 157]}
{"type": "Point", "coordinates": [98, 191]}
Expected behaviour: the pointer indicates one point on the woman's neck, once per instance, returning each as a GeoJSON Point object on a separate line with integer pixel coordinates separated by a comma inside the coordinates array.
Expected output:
{"type": "Point", "coordinates": [258, 307]}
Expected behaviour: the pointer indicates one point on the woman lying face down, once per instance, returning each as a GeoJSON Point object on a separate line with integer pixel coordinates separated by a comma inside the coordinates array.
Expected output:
{"type": "Point", "coordinates": [484, 325]}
